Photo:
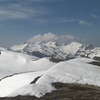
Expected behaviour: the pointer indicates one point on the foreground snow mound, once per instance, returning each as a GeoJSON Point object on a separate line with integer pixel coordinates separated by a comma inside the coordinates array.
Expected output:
{"type": "Point", "coordinates": [72, 71]}
{"type": "Point", "coordinates": [38, 90]}
{"type": "Point", "coordinates": [11, 63]}
{"type": "Point", "coordinates": [12, 83]}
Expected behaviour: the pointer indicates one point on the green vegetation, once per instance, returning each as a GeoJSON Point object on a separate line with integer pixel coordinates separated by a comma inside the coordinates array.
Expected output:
{"type": "Point", "coordinates": [66, 92]}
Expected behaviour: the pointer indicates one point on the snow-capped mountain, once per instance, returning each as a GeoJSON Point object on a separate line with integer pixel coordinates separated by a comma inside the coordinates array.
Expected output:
{"type": "Point", "coordinates": [55, 50]}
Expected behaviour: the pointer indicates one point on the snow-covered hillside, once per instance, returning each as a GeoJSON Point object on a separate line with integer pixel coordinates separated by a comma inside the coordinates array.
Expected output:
{"type": "Point", "coordinates": [53, 49]}
{"type": "Point", "coordinates": [73, 71]}
{"type": "Point", "coordinates": [22, 74]}
{"type": "Point", "coordinates": [13, 63]}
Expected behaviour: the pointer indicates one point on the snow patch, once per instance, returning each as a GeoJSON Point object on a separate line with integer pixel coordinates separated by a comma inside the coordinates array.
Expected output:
{"type": "Point", "coordinates": [10, 84]}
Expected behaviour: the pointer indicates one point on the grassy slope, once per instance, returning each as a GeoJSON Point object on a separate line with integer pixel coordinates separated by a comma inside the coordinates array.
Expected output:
{"type": "Point", "coordinates": [66, 92]}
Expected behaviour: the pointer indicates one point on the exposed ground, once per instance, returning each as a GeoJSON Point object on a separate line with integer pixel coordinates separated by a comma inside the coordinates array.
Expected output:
{"type": "Point", "coordinates": [66, 92]}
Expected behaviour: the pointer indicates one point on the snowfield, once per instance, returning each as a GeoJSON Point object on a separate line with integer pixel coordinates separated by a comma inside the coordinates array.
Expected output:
{"type": "Point", "coordinates": [13, 63]}
{"type": "Point", "coordinates": [14, 82]}
{"type": "Point", "coordinates": [72, 71]}
{"type": "Point", "coordinates": [18, 71]}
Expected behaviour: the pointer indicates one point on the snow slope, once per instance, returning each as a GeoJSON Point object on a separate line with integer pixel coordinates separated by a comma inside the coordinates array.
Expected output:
{"type": "Point", "coordinates": [14, 82]}
{"type": "Point", "coordinates": [18, 71]}
{"type": "Point", "coordinates": [95, 52]}
{"type": "Point", "coordinates": [12, 63]}
{"type": "Point", "coordinates": [72, 71]}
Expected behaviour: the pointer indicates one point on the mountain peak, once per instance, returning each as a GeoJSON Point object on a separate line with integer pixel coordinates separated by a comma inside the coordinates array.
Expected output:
{"type": "Point", "coordinates": [75, 43]}
{"type": "Point", "coordinates": [52, 43]}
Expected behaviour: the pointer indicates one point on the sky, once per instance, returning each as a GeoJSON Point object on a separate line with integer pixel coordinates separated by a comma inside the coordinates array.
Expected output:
{"type": "Point", "coordinates": [70, 20]}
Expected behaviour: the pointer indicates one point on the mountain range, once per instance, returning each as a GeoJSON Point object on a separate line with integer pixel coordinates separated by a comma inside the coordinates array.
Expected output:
{"type": "Point", "coordinates": [57, 51]}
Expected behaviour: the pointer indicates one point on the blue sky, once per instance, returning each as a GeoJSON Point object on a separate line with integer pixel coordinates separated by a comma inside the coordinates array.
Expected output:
{"type": "Point", "coordinates": [23, 19]}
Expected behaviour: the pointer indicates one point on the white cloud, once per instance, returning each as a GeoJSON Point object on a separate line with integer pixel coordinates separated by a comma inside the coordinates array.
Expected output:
{"type": "Point", "coordinates": [52, 37]}
{"type": "Point", "coordinates": [18, 11]}
{"type": "Point", "coordinates": [75, 20]}
{"type": "Point", "coordinates": [63, 20]}
{"type": "Point", "coordinates": [45, 37]}
{"type": "Point", "coordinates": [82, 22]}
{"type": "Point", "coordinates": [40, 21]}
{"type": "Point", "coordinates": [94, 15]}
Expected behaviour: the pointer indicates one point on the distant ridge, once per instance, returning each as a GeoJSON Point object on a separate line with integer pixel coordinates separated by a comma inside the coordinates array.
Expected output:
{"type": "Point", "coordinates": [56, 50]}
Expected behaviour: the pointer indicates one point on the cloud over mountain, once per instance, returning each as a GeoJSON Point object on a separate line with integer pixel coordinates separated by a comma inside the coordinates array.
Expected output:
{"type": "Point", "coordinates": [52, 37]}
